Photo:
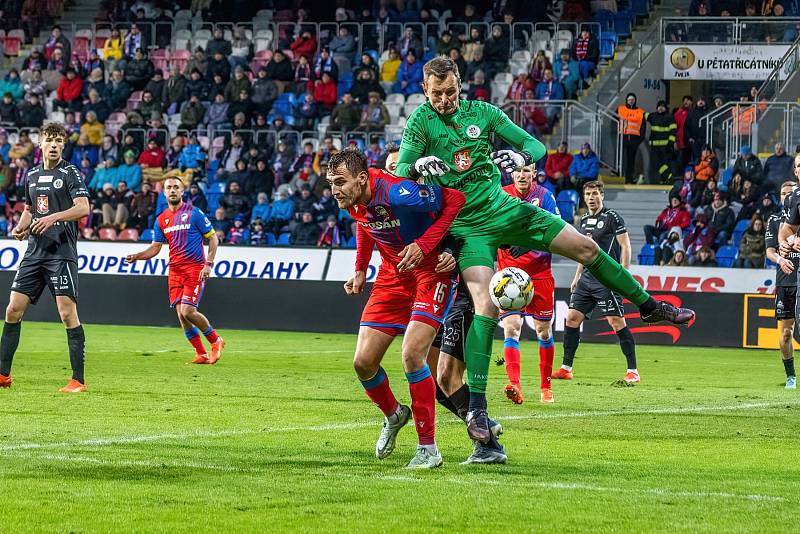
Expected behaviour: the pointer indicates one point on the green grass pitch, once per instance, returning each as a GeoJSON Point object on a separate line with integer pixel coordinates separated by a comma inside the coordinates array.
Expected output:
{"type": "Point", "coordinates": [280, 437]}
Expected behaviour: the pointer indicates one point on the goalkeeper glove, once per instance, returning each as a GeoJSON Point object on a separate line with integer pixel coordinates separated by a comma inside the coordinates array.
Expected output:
{"type": "Point", "coordinates": [510, 160]}
{"type": "Point", "coordinates": [428, 166]}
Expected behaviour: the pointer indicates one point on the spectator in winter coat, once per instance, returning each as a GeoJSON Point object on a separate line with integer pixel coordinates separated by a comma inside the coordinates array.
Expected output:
{"type": "Point", "coordinates": [193, 114]}
{"type": "Point", "coordinates": [325, 92]}
{"type": "Point", "coordinates": [218, 44]}
{"type": "Point", "coordinates": [675, 215]}
{"type": "Point", "coordinates": [375, 115]}
{"type": "Point", "coordinates": [9, 112]}
{"type": "Point", "coordinates": [152, 160]}
{"type": "Point", "coordinates": [117, 91]}
{"type": "Point", "coordinates": [306, 113]}
{"type": "Point", "coordinates": [148, 106]}
{"type": "Point", "coordinates": [749, 166]}
{"type": "Point", "coordinates": [143, 208]}
{"type": "Point", "coordinates": [305, 233]}
{"type": "Point", "coordinates": [105, 172]}
{"type": "Point", "coordinates": [681, 140]}
{"type": "Point", "coordinates": [305, 46]}
{"type": "Point", "coordinates": [192, 156]}
{"type": "Point", "coordinates": [217, 114]}
{"type": "Point", "coordinates": [550, 89]}
{"type": "Point", "coordinates": [235, 201]}
{"type": "Point", "coordinates": [326, 206]}
{"type": "Point", "coordinates": [694, 133]}
{"type": "Point", "coordinates": [68, 93]}
{"type": "Point", "coordinates": [325, 63]}
{"type": "Point", "coordinates": [113, 46]}
{"type": "Point", "coordinates": [704, 257]}
{"type": "Point", "coordinates": [139, 70]}
{"type": "Point", "coordinates": [587, 51]}
{"type": "Point", "coordinates": [706, 197]}
{"type": "Point", "coordinates": [93, 129]}
{"type": "Point", "coordinates": [238, 234]}
{"type": "Point", "coordinates": [37, 84]}
{"type": "Point", "coordinates": [261, 210]}
{"type": "Point", "coordinates": [672, 243]}
{"type": "Point", "coordinates": [721, 219]}
{"type": "Point", "coordinates": [585, 167]}
{"type": "Point", "coordinates": [197, 198]}
{"type": "Point", "coordinates": [280, 69]}
{"type": "Point", "coordinates": [708, 166]}
{"type": "Point", "coordinates": [409, 77]}
{"type": "Point", "coordinates": [346, 115]}
{"type": "Point", "coordinates": [566, 71]}
{"type": "Point", "coordinates": [281, 213]}
{"type": "Point", "coordinates": [752, 247]}
{"type": "Point", "coordinates": [390, 68]}
{"type": "Point", "coordinates": [521, 84]}
{"type": "Point", "coordinates": [330, 236]}
{"type": "Point", "coordinates": [678, 259]}
{"type": "Point", "coordinates": [496, 50]}
{"type": "Point", "coordinates": [777, 169]}
{"type": "Point", "coordinates": [218, 64]}
{"type": "Point", "coordinates": [31, 113]}
{"type": "Point", "coordinates": [364, 84]}
{"type": "Point", "coordinates": [688, 188]}
{"type": "Point", "coordinates": [343, 45]}
{"type": "Point", "coordinates": [558, 164]}
{"type": "Point", "coordinates": [479, 88]}
{"type": "Point", "coordinates": [130, 172]}
{"type": "Point", "coordinates": [700, 236]}
{"type": "Point", "coordinates": [12, 84]}
{"type": "Point", "coordinates": [174, 92]}
{"type": "Point", "coordinates": [236, 85]}
{"type": "Point", "coordinates": [84, 149]}
{"type": "Point", "coordinates": [264, 92]}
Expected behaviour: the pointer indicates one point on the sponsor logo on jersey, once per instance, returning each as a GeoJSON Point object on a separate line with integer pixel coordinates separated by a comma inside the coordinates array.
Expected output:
{"type": "Point", "coordinates": [175, 228]}
{"type": "Point", "coordinates": [44, 179]}
{"type": "Point", "coordinates": [473, 131]}
{"type": "Point", "coordinates": [380, 211]}
{"type": "Point", "coordinates": [42, 204]}
{"type": "Point", "coordinates": [58, 183]}
{"type": "Point", "coordinates": [462, 160]}
{"type": "Point", "coordinates": [382, 225]}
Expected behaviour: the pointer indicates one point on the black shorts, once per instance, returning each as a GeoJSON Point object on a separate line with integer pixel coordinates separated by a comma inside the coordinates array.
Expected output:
{"type": "Point", "coordinates": [453, 333]}
{"type": "Point", "coordinates": [586, 298]}
{"type": "Point", "coordinates": [785, 302]}
{"type": "Point", "coordinates": [60, 275]}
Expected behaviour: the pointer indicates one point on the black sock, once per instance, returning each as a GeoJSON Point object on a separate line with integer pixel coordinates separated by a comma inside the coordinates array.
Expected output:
{"type": "Point", "coordinates": [460, 400]}
{"type": "Point", "coordinates": [572, 338]}
{"type": "Point", "coordinates": [648, 307]}
{"type": "Point", "coordinates": [444, 400]}
{"type": "Point", "coordinates": [787, 364]}
{"type": "Point", "coordinates": [628, 346]}
{"type": "Point", "coordinates": [477, 401]}
{"type": "Point", "coordinates": [76, 341]}
{"type": "Point", "coordinates": [8, 346]}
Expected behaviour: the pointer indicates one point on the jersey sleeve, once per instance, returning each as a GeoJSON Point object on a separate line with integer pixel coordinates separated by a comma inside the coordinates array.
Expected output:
{"type": "Point", "coordinates": [28, 199]}
{"type": "Point", "coordinates": [549, 204]}
{"type": "Point", "coordinates": [771, 235]}
{"type": "Point", "coordinates": [617, 222]}
{"type": "Point", "coordinates": [158, 235]}
{"type": "Point", "coordinates": [513, 134]}
{"type": "Point", "coordinates": [417, 197]}
{"type": "Point", "coordinates": [75, 185]}
{"type": "Point", "coordinates": [413, 144]}
{"type": "Point", "coordinates": [202, 223]}
{"type": "Point", "coordinates": [791, 211]}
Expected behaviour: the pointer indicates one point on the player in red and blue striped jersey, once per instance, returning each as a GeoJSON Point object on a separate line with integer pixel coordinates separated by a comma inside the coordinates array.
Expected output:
{"type": "Point", "coordinates": [407, 222]}
{"type": "Point", "coordinates": [184, 227]}
{"type": "Point", "coordinates": [537, 265]}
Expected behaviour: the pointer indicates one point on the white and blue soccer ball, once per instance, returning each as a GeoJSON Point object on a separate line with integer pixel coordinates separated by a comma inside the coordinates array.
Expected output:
{"type": "Point", "coordinates": [511, 289]}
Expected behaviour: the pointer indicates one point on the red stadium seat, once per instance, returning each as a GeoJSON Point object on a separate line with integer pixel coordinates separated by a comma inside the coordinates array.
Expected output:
{"type": "Point", "coordinates": [261, 58]}
{"type": "Point", "coordinates": [88, 233]}
{"type": "Point", "coordinates": [128, 234]}
{"type": "Point", "coordinates": [107, 234]}
{"type": "Point", "coordinates": [180, 58]}
{"type": "Point", "coordinates": [13, 42]}
{"type": "Point", "coordinates": [160, 59]}
{"type": "Point", "coordinates": [81, 44]}
{"type": "Point", "coordinates": [100, 38]}
{"type": "Point", "coordinates": [134, 99]}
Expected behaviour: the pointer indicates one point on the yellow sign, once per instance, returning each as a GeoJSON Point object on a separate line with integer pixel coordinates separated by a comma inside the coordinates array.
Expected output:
{"type": "Point", "coordinates": [760, 329]}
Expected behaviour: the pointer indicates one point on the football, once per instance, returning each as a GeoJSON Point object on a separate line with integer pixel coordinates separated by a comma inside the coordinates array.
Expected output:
{"type": "Point", "coordinates": [511, 289]}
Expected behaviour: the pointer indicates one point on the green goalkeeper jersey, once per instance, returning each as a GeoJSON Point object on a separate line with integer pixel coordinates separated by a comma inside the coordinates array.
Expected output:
{"type": "Point", "coordinates": [462, 141]}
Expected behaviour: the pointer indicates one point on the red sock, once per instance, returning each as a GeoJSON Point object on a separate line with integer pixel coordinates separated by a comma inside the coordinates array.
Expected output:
{"type": "Point", "coordinates": [378, 390]}
{"type": "Point", "coordinates": [211, 334]}
{"type": "Point", "coordinates": [512, 357]}
{"type": "Point", "coordinates": [423, 404]}
{"type": "Point", "coordinates": [547, 351]}
{"type": "Point", "coordinates": [194, 338]}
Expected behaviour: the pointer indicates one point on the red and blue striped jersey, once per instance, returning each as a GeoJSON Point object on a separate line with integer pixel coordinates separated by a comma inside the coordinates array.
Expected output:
{"type": "Point", "coordinates": [183, 230]}
{"type": "Point", "coordinates": [535, 263]}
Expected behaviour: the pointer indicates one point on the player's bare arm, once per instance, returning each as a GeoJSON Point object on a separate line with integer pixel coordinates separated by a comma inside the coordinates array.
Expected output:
{"type": "Point", "coordinates": [355, 285]}
{"type": "Point", "coordinates": [213, 245]}
{"type": "Point", "coordinates": [624, 241]}
{"type": "Point", "coordinates": [79, 210]}
{"type": "Point", "coordinates": [786, 241]}
{"type": "Point", "coordinates": [22, 229]}
{"type": "Point", "coordinates": [150, 252]}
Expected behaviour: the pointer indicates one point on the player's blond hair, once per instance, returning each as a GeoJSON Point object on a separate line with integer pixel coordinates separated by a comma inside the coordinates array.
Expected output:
{"type": "Point", "coordinates": [440, 67]}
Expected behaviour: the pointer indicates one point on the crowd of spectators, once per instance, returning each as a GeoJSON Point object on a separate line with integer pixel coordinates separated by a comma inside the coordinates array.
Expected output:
{"type": "Point", "coordinates": [772, 30]}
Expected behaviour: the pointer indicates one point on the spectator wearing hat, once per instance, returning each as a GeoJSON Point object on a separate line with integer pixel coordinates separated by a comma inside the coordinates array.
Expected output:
{"type": "Point", "coordinates": [375, 115]}
{"type": "Point", "coordinates": [262, 208]}
{"type": "Point", "coordinates": [305, 233]}
{"type": "Point", "coordinates": [675, 215]}
{"type": "Point", "coordinates": [264, 92]}
{"type": "Point", "coordinates": [238, 83]}
{"type": "Point", "coordinates": [197, 86]}
{"type": "Point", "coordinates": [238, 233]}
{"type": "Point", "coordinates": [55, 40]}
{"type": "Point", "coordinates": [585, 167]}
{"type": "Point", "coordinates": [130, 171]}
{"type": "Point", "coordinates": [693, 131]}
{"type": "Point", "coordinates": [721, 219]}
{"type": "Point", "coordinates": [330, 237]}
{"type": "Point", "coordinates": [708, 166]}
{"type": "Point", "coordinates": [704, 257]}
{"type": "Point", "coordinates": [117, 91]}
{"type": "Point", "coordinates": [258, 236]}
{"type": "Point", "coordinates": [566, 71]}
{"type": "Point", "coordinates": [218, 65]}
{"type": "Point", "coordinates": [701, 236]}
{"type": "Point", "coordinates": [672, 243]}
{"type": "Point", "coordinates": [557, 167]}
{"type": "Point", "coordinates": [306, 113]}
{"type": "Point", "coordinates": [68, 92]}
{"type": "Point", "coordinates": [479, 88]}
{"type": "Point", "coordinates": [409, 76]}
{"type": "Point", "coordinates": [662, 143]}
{"type": "Point", "coordinates": [749, 166]}
{"type": "Point", "coordinates": [281, 213]}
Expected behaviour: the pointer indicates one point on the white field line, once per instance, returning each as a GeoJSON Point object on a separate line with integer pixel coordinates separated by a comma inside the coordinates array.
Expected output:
{"type": "Point", "coordinates": [590, 487]}
{"type": "Point", "coordinates": [231, 351]}
{"type": "Point", "coordinates": [125, 440]}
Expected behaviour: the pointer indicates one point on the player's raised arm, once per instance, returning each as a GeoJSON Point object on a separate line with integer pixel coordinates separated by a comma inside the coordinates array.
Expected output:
{"type": "Point", "coordinates": [528, 149]}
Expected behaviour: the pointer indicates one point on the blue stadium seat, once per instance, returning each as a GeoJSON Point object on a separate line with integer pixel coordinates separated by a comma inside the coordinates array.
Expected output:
{"type": "Point", "coordinates": [727, 255]}
{"type": "Point", "coordinates": [623, 24]}
{"type": "Point", "coordinates": [727, 174]}
{"type": "Point", "coordinates": [605, 18]}
{"type": "Point", "coordinates": [3, 227]}
{"type": "Point", "coordinates": [270, 238]}
{"type": "Point", "coordinates": [639, 7]}
{"type": "Point", "coordinates": [567, 201]}
{"type": "Point", "coordinates": [351, 243]}
{"type": "Point", "coordinates": [283, 239]}
{"type": "Point", "coordinates": [608, 43]}
{"type": "Point", "coordinates": [343, 87]}
{"type": "Point", "coordinates": [147, 235]}
{"type": "Point", "coordinates": [738, 230]}
{"type": "Point", "coordinates": [647, 256]}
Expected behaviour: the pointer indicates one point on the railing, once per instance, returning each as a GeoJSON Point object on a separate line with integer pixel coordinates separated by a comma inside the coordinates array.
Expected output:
{"type": "Point", "coordinates": [731, 30]}
{"type": "Point", "coordinates": [576, 123]}
{"type": "Point", "coordinates": [771, 88]}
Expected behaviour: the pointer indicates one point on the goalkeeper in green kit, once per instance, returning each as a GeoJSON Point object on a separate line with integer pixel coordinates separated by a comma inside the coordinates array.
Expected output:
{"type": "Point", "coordinates": [447, 142]}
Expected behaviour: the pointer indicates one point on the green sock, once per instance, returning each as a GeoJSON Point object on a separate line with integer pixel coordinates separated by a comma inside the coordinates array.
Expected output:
{"type": "Point", "coordinates": [616, 277]}
{"type": "Point", "coordinates": [478, 352]}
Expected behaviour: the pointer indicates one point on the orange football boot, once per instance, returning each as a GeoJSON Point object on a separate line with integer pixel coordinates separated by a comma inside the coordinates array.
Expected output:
{"type": "Point", "coordinates": [216, 350]}
{"type": "Point", "coordinates": [73, 386]}
{"type": "Point", "coordinates": [632, 377]}
{"type": "Point", "coordinates": [6, 381]}
{"type": "Point", "coordinates": [200, 359]}
{"type": "Point", "coordinates": [547, 396]}
{"type": "Point", "coordinates": [514, 393]}
{"type": "Point", "coordinates": [562, 374]}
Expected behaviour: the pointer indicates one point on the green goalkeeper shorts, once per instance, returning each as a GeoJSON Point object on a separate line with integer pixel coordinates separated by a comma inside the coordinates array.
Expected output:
{"type": "Point", "coordinates": [510, 221]}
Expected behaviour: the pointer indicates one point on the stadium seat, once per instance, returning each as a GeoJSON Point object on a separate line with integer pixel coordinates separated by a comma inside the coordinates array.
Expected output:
{"type": "Point", "coordinates": [623, 23]}
{"type": "Point", "coordinates": [264, 39]}
{"type": "Point", "coordinates": [639, 7]}
{"type": "Point", "coordinates": [540, 40]}
{"type": "Point", "coordinates": [147, 235]}
{"type": "Point", "coordinates": [562, 39]}
{"type": "Point", "coordinates": [605, 18]}
{"type": "Point", "coordinates": [160, 59]}
{"type": "Point", "coordinates": [261, 58]}
{"type": "Point", "coordinates": [351, 243]}
{"type": "Point", "coordinates": [271, 239]}
{"type": "Point", "coordinates": [416, 98]}
{"type": "Point", "coordinates": [81, 44]}
{"type": "Point", "coordinates": [201, 38]}
{"type": "Point", "coordinates": [395, 98]}
{"type": "Point", "coordinates": [181, 40]}
{"type": "Point", "coordinates": [134, 99]}
{"type": "Point", "coordinates": [727, 255]}
{"type": "Point", "coordinates": [567, 201]}
{"type": "Point", "coordinates": [738, 231]}
{"type": "Point", "coordinates": [647, 256]}
{"type": "Point", "coordinates": [100, 37]}
{"type": "Point", "coordinates": [608, 44]}
{"type": "Point", "coordinates": [283, 239]}
{"type": "Point", "coordinates": [128, 234]}
{"type": "Point", "coordinates": [107, 234]}
{"type": "Point", "coordinates": [13, 42]}
{"type": "Point", "coordinates": [394, 111]}
{"type": "Point", "coordinates": [504, 77]}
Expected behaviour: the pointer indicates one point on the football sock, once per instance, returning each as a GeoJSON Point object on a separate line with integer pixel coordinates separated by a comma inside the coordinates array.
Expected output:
{"type": "Point", "coordinates": [378, 390]}
{"type": "Point", "coordinates": [211, 334]}
{"type": "Point", "coordinates": [628, 346]}
{"type": "Point", "coordinates": [444, 400]}
{"type": "Point", "coordinates": [193, 335]}
{"type": "Point", "coordinates": [76, 340]}
{"type": "Point", "coordinates": [614, 276]}
{"type": "Point", "coordinates": [460, 400]}
{"type": "Point", "coordinates": [423, 404]}
{"type": "Point", "coordinates": [788, 365]}
{"type": "Point", "coordinates": [479, 353]}
{"type": "Point", "coordinates": [547, 351]}
{"type": "Point", "coordinates": [8, 346]}
{"type": "Point", "coordinates": [572, 338]}
{"type": "Point", "coordinates": [512, 357]}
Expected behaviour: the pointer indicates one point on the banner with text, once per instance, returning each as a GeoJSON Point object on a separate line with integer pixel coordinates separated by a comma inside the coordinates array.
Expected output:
{"type": "Point", "coordinates": [724, 61]}
{"type": "Point", "coordinates": [265, 263]}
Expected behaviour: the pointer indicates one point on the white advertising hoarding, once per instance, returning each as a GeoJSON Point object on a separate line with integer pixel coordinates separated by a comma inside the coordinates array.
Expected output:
{"type": "Point", "coordinates": [724, 61]}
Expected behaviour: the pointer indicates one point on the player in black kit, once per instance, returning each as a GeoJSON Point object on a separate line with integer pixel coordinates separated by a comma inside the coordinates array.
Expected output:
{"type": "Point", "coordinates": [55, 199]}
{"type": "Point", "coordinates": [782, 235]}
{"type": "Point", "coordinates": [607, 229]}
